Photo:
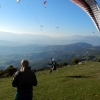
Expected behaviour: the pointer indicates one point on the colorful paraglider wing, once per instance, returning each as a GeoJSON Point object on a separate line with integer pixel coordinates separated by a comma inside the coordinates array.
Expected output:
{"type": "Point", "coordinates": [18, 1]}
{"type": "Point", "coordinates": [45, 2]}
{"type": "Point", "coordinates": [91, 8]}
{"type": "Point", "coordinates": [41, 26]}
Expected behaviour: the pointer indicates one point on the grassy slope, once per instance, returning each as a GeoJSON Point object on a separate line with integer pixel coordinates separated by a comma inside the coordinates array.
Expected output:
{"type": "Point", "coordinates": [80, 82]}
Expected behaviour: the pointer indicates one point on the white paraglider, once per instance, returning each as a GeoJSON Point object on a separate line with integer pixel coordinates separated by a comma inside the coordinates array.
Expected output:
{"type": "Point", "coordinates": [18, 1]}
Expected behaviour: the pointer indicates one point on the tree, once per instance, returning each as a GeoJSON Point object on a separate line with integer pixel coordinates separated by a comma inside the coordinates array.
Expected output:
{"type": "Point", "coordinates": [10, 70]}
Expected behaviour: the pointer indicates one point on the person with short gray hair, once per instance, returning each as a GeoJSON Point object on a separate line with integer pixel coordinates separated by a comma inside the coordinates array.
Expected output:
{"type": "Point", "coordinates": [24, 80]}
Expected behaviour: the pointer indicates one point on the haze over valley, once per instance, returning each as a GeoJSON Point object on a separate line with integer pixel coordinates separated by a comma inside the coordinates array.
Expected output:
{"type": "Point", "coordinates": [11, 39]}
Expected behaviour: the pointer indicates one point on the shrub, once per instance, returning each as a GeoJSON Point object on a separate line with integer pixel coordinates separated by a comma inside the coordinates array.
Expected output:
{"type": "Point", "coordinates": [75, 61]}
{"type": "Point", "coordinates": [99, 60]}
{"type": "Point", "coordinates": [8, 72]}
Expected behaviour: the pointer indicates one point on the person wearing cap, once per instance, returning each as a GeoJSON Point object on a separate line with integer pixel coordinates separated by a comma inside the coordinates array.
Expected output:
{"type": "Point", "coordinates": [53, 65]}
{"type": "Point", "coordinates": [24, 80]}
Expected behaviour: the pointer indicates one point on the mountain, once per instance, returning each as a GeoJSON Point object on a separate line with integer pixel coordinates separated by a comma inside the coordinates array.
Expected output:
{"type": "Point", "coordinates": [35, 49]}
{"type": "Point", "coordinates": [94, 40]}
{"type": "Point", "coordinates": [39, 56]}
{"type": "Point", "coordinates": [30, 39]}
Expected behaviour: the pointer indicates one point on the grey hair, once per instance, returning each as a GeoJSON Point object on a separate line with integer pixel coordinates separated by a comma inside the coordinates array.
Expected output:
{"type": "Point", "coordinates": [25, 63]}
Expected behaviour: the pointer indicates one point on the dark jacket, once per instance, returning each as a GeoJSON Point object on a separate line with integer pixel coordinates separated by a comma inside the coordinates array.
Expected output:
{"type": "Point", "coordinates": [24, 81]}
{"type": "Point", "coordinates": [53, 65]}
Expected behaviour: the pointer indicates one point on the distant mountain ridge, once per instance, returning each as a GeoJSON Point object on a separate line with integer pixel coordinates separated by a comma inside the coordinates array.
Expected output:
{"type": "Point", "coordinates": [47, 48]}
{"type": "Point", "coordinates": [27, 39]}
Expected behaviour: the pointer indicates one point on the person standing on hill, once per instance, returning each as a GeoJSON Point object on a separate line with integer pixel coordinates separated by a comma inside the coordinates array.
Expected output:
{"type": "Point", "coordinates": [24, 80]}
{"type": "Point", "coordinates": [53, 65]}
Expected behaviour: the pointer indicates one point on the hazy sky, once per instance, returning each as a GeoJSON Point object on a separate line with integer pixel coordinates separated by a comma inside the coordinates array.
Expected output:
{"type": "Point", "coordinates": [56, 17]}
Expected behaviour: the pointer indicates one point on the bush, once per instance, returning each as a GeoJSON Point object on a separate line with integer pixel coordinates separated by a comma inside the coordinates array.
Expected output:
{"type": "Point", "coordinates": [8, 72]}
{"type": "Point", "coordinates": [63, 64]}
{"type": "Point", "coordinates": [99, 60]}
{"type": "Point", "coordinates": [75, 61]}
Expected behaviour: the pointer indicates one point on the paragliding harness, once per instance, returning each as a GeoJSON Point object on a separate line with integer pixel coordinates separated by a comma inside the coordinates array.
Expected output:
{"type": "Point", "coordinates": [53, 65]}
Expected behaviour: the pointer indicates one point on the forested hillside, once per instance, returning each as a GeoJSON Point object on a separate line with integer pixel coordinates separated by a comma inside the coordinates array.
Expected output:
{"type": "Point", "coordinates": [39, 56]}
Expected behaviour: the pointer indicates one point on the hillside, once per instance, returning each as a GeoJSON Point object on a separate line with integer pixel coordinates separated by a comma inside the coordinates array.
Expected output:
{"type": "Point", "coordinates": [39, 56]}
{"type": "Point", "coordinates": [81, 82]}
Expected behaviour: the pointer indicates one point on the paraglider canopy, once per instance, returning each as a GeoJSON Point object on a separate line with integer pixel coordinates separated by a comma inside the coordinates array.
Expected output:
{"type": "Point", "coordinates": [41, 26]}
{"type": "Point", "coordinates": [45, 2]}
{"type": "Point", "coordinates": [18, 1]}
{"type": "Point", "coordinates": [92, 9]}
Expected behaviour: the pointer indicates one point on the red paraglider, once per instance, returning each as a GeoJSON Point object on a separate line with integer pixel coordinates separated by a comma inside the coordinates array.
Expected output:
{"type": "Point", "coordinates": [45, 2]}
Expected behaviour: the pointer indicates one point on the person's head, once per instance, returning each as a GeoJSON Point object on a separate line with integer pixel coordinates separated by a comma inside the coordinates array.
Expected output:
{"type": "Point", "coordinates": [24, 63]}
{"type": "Point", "coordinates": [53, 59]}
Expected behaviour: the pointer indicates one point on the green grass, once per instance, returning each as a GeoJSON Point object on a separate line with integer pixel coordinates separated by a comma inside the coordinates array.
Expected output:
{"type": "Point", "coordinates": [81, 82]}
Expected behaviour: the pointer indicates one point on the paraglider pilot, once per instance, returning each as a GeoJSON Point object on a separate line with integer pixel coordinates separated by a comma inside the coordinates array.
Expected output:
{"type": "Point", "coordinates": [53, 65]}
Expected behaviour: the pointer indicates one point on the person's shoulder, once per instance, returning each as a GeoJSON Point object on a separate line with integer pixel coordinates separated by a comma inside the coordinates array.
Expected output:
{"type": "Point", "coordinates": [17, 72]}
{"type": "Point", "coordinates": [33, 73]}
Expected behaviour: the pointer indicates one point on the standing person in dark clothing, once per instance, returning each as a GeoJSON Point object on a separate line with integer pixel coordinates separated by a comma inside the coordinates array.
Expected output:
{"type": "Point", "coordinates": [53, 65]}
{"type": "Point", "coordinates": [24, 80]}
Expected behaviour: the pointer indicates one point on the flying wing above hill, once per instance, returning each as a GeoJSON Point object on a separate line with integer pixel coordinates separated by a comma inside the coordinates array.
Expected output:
{"type": "Point", "coordinates": [91, 7]}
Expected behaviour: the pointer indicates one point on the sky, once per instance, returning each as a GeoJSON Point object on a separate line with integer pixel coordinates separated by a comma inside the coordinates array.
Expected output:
{"type": "Point", "coordinates": [55, 18]}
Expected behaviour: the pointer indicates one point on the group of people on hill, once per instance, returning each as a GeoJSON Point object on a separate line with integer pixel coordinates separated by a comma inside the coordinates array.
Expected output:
{"type": "Point", "coordinates": [25, 79]}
